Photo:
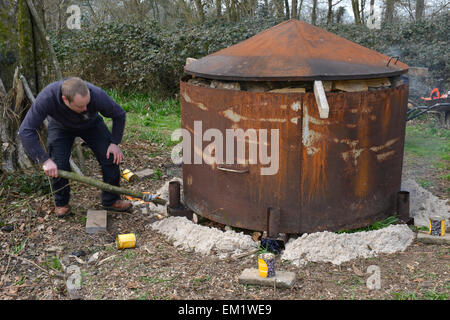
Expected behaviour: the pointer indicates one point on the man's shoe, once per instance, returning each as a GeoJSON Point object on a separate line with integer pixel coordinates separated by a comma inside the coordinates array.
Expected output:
{"type": "Point", "coordinates": [63, 211]}
{"type": "Point", "coordinates": [119, 205]}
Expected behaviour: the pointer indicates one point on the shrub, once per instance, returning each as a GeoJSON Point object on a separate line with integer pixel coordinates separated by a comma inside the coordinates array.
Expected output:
{"type": "Point", "coordinates": [149, 57]}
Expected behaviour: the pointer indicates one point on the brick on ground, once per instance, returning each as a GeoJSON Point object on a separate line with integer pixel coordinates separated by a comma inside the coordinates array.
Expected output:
{"type": "Point", "coordinates": [282, 279]}
{"type": "Point", "coordinates": [427, 238]}
{"type": "Point", "coordinates": [145, 173]}
{"type": "Point", "coordinates": [97, 221]}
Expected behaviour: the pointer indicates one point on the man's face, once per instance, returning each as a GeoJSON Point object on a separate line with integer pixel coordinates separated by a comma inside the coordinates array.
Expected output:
{"type": "Point", "coordinates": [79, 103]}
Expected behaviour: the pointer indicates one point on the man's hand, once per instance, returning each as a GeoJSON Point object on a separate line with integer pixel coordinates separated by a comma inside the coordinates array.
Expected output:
{"type": "Point", "coordinates": [116, 152]}
{"type": "Point", "coordinates": [50, 168]}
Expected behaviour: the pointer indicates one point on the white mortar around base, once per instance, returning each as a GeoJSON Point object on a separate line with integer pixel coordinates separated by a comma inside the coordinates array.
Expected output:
{"type": "Point", "coordinates": [316, 247]}
{"type": "Point", "coordinates": [204, 240]}
{"type": "Point", "coordinates": [339, 248]}
{"type": "Point", "coordinates": [424, 205]}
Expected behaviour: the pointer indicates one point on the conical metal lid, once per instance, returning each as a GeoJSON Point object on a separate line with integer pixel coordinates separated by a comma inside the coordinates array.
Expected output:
{"type": "Point", "coordinates": [295, 50]}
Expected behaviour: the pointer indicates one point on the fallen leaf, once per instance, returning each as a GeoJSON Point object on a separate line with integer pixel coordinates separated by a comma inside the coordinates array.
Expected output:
{"type": "Point", "coordinates": [358, 272]}
{"type": "Point", "coordinates": [12, 291]}
{"type": "Point", "coordinates": [53, 249]}
{"type": "Point", "coordinates": [34, 234]}
{"type": "Point", "coordinates": [78, 259]}
{"type": "Point", "coordinates": [94, 257]}
{"type": "Point", "coordinates": [418, 280]}
{"type": "Point", "coordinates": [132, 285]}
{"type": "Point", "coordinates": [256, 236]}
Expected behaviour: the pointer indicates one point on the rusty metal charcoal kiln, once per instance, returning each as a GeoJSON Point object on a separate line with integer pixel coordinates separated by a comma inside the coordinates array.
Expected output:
{"type": "Point", "coordinates": [338, 168]}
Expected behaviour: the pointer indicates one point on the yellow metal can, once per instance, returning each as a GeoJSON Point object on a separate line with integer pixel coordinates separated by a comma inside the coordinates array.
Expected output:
{"type": "Point", "coordinates": [266, 265]}
{"type": "Point", "coordinates": [436, 227]}
{"type": "Point", "coordinates": [124, 241]}
{"type": "Point", "coordinates": [129, 176]}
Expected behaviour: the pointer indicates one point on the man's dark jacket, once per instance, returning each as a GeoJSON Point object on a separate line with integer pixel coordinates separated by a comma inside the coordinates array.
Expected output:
{"type": "Point", "coordinates": [49, 103]}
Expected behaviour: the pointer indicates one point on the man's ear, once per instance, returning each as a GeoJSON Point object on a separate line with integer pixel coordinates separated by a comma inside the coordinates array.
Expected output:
{"type": "Point", "coordinates": [65, 100]}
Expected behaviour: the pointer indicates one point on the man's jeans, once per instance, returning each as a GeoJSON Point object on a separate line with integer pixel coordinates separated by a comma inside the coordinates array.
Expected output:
{"type": "Point", "coordinates": [59, 145]}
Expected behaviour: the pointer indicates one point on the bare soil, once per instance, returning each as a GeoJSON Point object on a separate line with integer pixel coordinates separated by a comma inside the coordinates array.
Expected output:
{"type": "Point", "coordinates": [155, 269]}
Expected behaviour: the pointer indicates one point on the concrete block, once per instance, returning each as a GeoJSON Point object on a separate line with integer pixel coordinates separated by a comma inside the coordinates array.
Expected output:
{"type": "Point", "coordinates": [96, 221]}
{"type": "Point", "coordinates": [145, 173]}
{"type": "Point", "coordinates": [428, 238]}
{"type": "Point", "coordinates": [282, 279]}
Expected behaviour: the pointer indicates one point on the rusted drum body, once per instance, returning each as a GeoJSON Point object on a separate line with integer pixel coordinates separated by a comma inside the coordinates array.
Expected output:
{"type": "Point", "coordinates": [337, 173]}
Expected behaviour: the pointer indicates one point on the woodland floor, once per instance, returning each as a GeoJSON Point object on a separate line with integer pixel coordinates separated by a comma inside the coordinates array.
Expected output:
{"type": "Point", "coordinates": [155, 269]}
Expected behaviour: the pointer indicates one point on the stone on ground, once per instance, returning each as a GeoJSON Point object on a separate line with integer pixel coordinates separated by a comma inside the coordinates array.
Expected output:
{"type": "Point", "coordinates": [97, 221]}
{"type": "Point", "coordinates": [282, 279]}
{"type": "Point", "coordinates": [429, 239]}
{"type": "Point", "coordinates": [145, 173]}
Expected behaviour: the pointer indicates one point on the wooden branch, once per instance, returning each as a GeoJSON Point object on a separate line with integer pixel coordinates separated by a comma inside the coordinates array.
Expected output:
{"type": "Point", "coordinates": [105, 186]}
{"type": "Point", "coordinates": [27, 88]}
{"type": "Point", "coordinates": [30, 96]}
{"type": "Point", "coordinates": [50, 272]}
{"type": "Point", "coordinates": [321, 100]}
{"type": "Point", "coordinates": [41, 28]}
{"type": "Point", "coordinates": [2, 89]}
{"type": "Point", "coordinates": [442, 7]}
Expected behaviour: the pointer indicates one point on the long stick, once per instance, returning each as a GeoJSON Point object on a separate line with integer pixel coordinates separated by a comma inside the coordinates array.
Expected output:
{"type": "Point", "coordinates": [106, 187]}
{"type": "Point", "coordinates": [41, 28]}
{"type": "Point", "coordinates": [51, 272]}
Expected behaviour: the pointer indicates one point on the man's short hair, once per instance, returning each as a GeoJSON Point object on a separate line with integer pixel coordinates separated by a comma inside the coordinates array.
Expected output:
{"type": "Point", "coordinates": [73, 86]}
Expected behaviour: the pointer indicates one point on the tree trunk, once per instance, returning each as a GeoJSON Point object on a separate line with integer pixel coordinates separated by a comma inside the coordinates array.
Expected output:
{"type": "Point", "coordinates": [12, 109]}
{"type": "Point", "coordinates": [279, 8]}
{"type": "Point", "coordinates": [27, 45]}
{"type": "Point", "coordinates": [330, 12]}
{"type": "Point", "coordinates": [361, 11]}
{"type": "Point", "coordinates": [356, 11]}
{"type": "Point", "coordinates": [37, 20]}
{"type": "Point", "coordinates": [41, 50]}
{"type": "Point", "coordinates": [339, 14]}
{"type": "Point", "coordinates": [218, 8]}
{"type": "Point", "coordinates": [314, 13]}
{"type": "Point", "coordinates": [389, 11]}
{"type": "Point", "coordinates": [286, 6]}
{"type": "Point", "coordinates": [420, 6]}
{"type": "Point", "coordinates": [8, 43]}
{"type": "Point", "coordinates": [294, 8]}
{"type": "Point", "coordinates": [201, 12]}
{"type": "Point", "coordinates": [300, 7]}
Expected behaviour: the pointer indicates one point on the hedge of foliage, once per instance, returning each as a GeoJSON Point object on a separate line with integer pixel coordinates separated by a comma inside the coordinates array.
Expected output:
{"type": "Point", "coordinates": [150, 57]}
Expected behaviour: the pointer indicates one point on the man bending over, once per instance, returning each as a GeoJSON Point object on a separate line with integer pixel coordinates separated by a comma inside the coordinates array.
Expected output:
{"type": "Point", "coordinates": [72, 106]}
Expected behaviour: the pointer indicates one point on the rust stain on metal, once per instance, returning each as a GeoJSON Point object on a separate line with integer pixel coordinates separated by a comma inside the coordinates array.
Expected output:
{"type": "Point", "coordinates": [198, 104]}
{"type": "Point", "coordinates": [315, 150]}
{"type": "Point", "coordinates": [342, 172]}
{"type": "Point", "coordinates": [386, 145]}
{"type": "Point", "coordinates": [385, 155]}
{"type": "Point", "coordinates": [233, 116]}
